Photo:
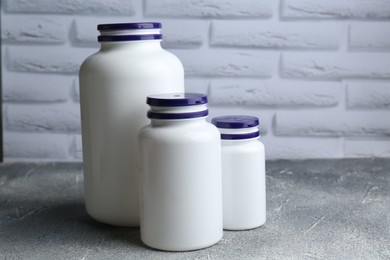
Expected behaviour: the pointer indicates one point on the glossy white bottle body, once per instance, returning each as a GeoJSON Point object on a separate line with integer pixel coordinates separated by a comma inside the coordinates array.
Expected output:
{"type": "Point", "coordinates": [243, 175]}
{"type": "Point", "coordinates": [114, 83]}
{"type": "Point", "coordinates": [181, 185]}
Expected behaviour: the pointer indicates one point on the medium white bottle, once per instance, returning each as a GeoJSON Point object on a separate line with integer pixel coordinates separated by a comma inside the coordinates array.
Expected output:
{"type": "Point", "coordinates": [243, 172]}
{"type": "Point", "coordinates": [114, 83]}
{"type": "Point", "coordinates": [180, 165]}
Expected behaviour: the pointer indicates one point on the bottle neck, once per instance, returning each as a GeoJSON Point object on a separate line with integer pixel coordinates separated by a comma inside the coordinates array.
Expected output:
{"type": "Point", "coordinates": [178, 110]}
{"type": "Point", "coordinates": [138, 38]}
{"type": "Point", "coordinates": [130, 32]}
{"type": "Point", "coordinates": [238, 134]}
{"type": "Point", "coordinates": [178, 122]}
{"type": "Point", "coordinates": [177, 115]}
{"type": "Point", "coordinates": [240, 142]}
{"type": "Point", "coordinates": [138, 45]}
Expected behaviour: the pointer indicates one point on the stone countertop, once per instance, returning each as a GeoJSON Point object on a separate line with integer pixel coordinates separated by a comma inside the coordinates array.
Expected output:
{"type": "Point", "coordinates": [316, 209]}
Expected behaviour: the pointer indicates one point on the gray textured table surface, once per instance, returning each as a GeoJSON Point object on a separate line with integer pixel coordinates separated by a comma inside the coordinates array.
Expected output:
{"type": "Point", "coordinates": [317, 209]}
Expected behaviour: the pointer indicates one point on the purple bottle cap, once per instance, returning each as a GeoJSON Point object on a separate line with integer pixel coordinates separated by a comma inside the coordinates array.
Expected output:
{"type": "Point", "coordinates": [234, 122]}
{"type": "Point", "coordinates": [177, 99]}
{"type": "Point", "coordinates": [237, 122]}
{"type": "Point", "coordinates": [128, 26]}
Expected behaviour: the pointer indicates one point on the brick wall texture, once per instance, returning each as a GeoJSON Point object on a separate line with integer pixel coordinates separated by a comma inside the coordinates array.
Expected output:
{"type": "Point", "coordinates": [316, 73]}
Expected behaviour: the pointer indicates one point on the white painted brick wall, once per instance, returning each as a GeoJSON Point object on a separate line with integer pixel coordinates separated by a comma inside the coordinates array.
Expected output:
{"type": "Point", "coordinates": [36, 88]}
{"type": "Point", "coordinates": [336, 9]}
{"type": "Point", "coordinates": [369, 36]}
{"type": "Point", "coordinates": [36, 146]}
{"type": "Point", "coordinates": [365, 95]}
{"type": "Point", "coordinates": [76, 148]}
{"type": "Point", "coordinates": [62, 118]}
{"type": "Point", "coordinates": [336, 66]}
{"type": "Point", "coordinates": [275, 35]}
{"type": "Point", "coordinates": [316, 73]}
{"type": "Point", "coordinates": [273, 94]}
{"type": "Point", "coordinates": [88, 7]}
{"type": "Point", "coordinates": [304, 147]}
{"type": "Point", "coordinates": [223, 63]}
{"type": "Point", "coordinates": [314, 123]}
{"type": "Point", "coordinates": [45, 59]}
{"type": "Point", "coordinates": [364, 148]}
{"type": "Point", "coordinates": [40, 30]}
{"type": "Point", "coordinates": [210, 8]}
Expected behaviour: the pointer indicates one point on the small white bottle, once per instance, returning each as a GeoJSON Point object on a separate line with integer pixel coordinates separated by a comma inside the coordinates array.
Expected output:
{"type": "Point", "coordinates": [243, 172]}
{"type": "Point", "coordinates": [180, 167]}
{"type": "Point", "coordinates": [114, 83]}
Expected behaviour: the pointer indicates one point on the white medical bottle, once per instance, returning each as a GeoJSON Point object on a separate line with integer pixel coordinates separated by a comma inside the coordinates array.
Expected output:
{"type": "Point", "coordinates": [114, 83]}
{"type": "Point", "coordinates": [180, 167]}
{"type": "Point", "coordinates": [243, 172]}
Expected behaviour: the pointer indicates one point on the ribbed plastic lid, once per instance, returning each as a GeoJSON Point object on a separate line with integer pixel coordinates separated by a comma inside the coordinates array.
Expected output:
{"type": "Point", "coordinates": [235, 121]}
{"type": "Point", "coordinates": [129, 26]}
{"type": "Point", "coordinates": [177, 99]}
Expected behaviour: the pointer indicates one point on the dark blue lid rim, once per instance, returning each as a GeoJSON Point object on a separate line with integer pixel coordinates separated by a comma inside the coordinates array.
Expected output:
{"type": "Point", "coordinates": [122, 38]}
{"type": "Point", "coordinates": [189, 99]}
{"type": "Point", "coordinates": [235, 121]}
{"type": "Point", "coordinates": [172, 116]}
{"type": "Point", "coordinates": [240, 136]}
{"type": "Point", "coordinates": [129, 26]}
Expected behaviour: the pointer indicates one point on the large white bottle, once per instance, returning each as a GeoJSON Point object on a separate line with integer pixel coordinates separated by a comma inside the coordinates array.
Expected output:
{"type": "Point", "coordinates": [114, 83]}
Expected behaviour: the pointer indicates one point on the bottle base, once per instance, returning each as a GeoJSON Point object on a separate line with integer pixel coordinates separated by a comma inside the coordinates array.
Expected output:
{"type": "Point", "coordinates": [182, 248]}
{"type": "Point", "coordinates": [242, 227]}
{"type": "Point", "coordinates": [117, 222]}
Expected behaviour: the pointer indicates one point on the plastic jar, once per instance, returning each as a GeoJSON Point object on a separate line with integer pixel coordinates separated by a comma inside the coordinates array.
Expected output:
{"type": "Point", "coordinates": [243, 172]}
{"type": "Point", "coordinates": [114, 83]}
{"type": "Point", "coordinates": [180, 164]}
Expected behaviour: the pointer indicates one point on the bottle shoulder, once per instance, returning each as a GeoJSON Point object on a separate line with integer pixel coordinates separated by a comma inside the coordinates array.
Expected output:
{"type": "Point", "coordinates": [132, 62]}
{"type": "Point", "coordinates": [242, 146]}
{"type": "Point", "coordinates": [89, 61]}
{"type": "Point", "coordinates": [145, 54]}
{"type": "Point", "coordinates": [185, 132]}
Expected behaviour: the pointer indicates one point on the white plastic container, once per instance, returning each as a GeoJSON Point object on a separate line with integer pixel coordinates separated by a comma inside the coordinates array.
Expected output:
{"type": "Point", "coordinates": [243, 172]}
{"type": "Point", "coordinates": [114, 83]}
{"type": "Point", "coordinates": [181, 185]}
